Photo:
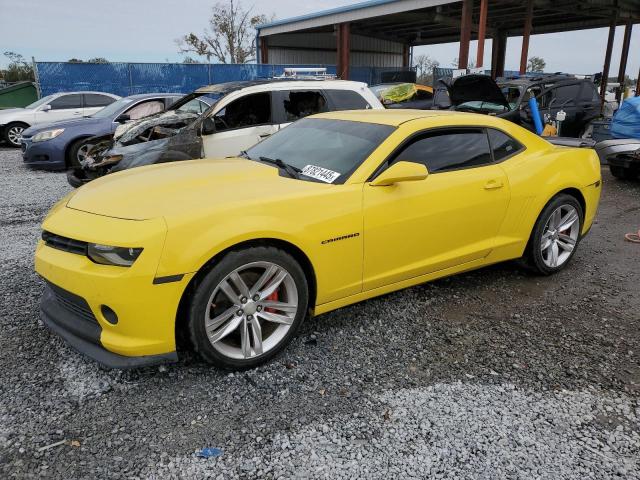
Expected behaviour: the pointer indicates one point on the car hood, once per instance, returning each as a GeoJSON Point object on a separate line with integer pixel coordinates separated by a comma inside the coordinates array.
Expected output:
{"type": "Point", "coordinates": [168, 190]}
{"type": "Point", "coordinates": [8, 113]}
{"type": "Point", "coordinates": [475, 88]}
{"type": "Point", "coordinates": [86, 123]}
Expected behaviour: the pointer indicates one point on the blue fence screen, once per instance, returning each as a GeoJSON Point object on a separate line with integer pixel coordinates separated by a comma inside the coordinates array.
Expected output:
{"type": "Point", "coordinates": [131, 78]}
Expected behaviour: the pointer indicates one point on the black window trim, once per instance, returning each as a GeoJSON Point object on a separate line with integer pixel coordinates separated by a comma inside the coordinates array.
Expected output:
{"type": "Point", "coordinates": [383, 166]}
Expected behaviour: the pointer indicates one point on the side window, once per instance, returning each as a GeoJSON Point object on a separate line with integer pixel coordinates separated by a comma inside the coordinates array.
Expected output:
{"type": "Point", "coordinates": [145, 109]}
{"type": "Point", "coordinates": [502, 144]}
{"type": "Point", "coordinates": [566, 95]}
{"type": "Point", "coordinates": [347, 100]}
{"type": "Point", "coordinates": [448, 150]}
{"type": "Point", "coordinates": [589, 93]}
{"type": "Point", "coordinates": [93, 100]}
{"type": "Point", "coordinates": [66, 102]}
{"type": "Point", "coordinates": [194, 106]}
{"type": "Point", "coordinates": [246, 111]}
{"type": "Point", "coordinates": [300, 104]}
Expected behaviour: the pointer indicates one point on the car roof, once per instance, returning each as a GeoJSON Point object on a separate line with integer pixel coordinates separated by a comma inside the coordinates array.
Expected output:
{"type": "Point", "coordinates": [399, 116]}
{"type": "Point", "coordinates": [228, 87]}
{"type": "Point", "coordinates": [152, 95]}
{"type": "Point", "coordinates": [85, 92]}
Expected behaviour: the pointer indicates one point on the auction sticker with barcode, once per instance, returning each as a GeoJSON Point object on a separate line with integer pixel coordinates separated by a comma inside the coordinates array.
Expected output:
{"type": "Point", "coordinates": [319, 173]}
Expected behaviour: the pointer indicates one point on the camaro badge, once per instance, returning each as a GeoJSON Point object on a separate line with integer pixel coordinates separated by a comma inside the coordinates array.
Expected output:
{"type": "Point", "coordinates": [343, 237]}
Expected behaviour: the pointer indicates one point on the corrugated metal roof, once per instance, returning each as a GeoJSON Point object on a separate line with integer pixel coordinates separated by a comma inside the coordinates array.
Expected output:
{"type": "Point", "coordinates": [427, 22]}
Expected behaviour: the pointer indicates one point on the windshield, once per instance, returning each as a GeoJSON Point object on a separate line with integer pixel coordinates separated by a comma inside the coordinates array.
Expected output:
{"type": "Point", "coordinates": [113, 108]}
{"type": "Point", "coordinates": [42, 101]}
{"type": "Point", "coordinates": [323, 149]}
{"type": "Point", "coordinates": [207, 97]}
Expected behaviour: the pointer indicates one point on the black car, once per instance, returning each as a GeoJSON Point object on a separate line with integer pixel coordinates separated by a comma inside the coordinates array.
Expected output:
{"type": "Point", "coordinates": [509, 99]}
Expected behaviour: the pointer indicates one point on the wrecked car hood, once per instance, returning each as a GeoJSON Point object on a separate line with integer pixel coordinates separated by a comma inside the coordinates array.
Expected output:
{"type": "Point", "coordinates": [475, 88]}
{"type": "Point", "coordinates": [129, 131]}
{"type": "Point", "coordinates": [170, 189]}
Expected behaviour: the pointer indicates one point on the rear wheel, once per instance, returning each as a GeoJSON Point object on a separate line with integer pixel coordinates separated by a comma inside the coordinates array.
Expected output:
{"type": "Point", "coordinates": [555, 235]}
{"type": "Point", "coordinates": [13, 133]}
{"type": "Point", "coordinates": [248, 307]}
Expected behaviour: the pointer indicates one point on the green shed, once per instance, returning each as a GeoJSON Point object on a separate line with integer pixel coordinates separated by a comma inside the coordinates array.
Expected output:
{"type": "Point", "coordinates": [19, 94]}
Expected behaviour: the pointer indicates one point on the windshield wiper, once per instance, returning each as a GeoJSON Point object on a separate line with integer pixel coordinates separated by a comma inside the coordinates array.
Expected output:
{"type": "Point", "coordinates": [290, 169]}
{"type": "Point", "coordinates": [244, 154]}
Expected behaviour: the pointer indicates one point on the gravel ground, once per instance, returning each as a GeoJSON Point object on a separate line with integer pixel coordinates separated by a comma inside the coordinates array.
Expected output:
{"type": "Point", "coordinates": [490, 374]}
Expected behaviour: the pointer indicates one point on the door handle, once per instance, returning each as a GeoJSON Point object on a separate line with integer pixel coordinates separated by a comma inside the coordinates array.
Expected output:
{"type": "Point", "coordinates": [265, 135]}
{"type": "Point", "coordinates": [493, 184]}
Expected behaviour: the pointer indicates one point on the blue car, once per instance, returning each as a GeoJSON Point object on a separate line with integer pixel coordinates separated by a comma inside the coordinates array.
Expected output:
{"type": "Point", "coordinates": [64, 144]}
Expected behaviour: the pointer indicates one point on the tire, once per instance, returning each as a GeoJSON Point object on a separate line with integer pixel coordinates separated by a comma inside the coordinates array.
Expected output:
{"type": "Point", "coordinates": [12, 133]}
{"type": "Point", "coordinates": [623, 173]}
{"type": "Point", "coordinates": [77, 151]}
{"type": "Point", "coordinates": [235, 320]}
{"type": "Point", "coordinates": [547, 239]}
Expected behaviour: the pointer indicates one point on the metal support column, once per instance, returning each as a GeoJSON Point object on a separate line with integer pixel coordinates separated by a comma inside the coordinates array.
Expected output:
{"type": "Point", "coordinates": [343, 44]}
{"type": "Point", "coordinates": [482, 29]}
{"type": "Point", "coordinates": [498, 54]}
{"type": "Point", "coordinates": [465, 33]}
{"type": "Point", "coordinates": [607, 57]}
{"type": "Point", "coordinates": [623, 59]}
{"type": "Point", "coordinates": [528, 20]}
{"type": "Point", "coordinates": [264, 50]}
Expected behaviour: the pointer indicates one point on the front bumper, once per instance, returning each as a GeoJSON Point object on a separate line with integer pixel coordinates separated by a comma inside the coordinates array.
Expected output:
{"type": "Point", "coordinates": [625, 161]}
{"type": "Point", "coordinates": [146, 311]}
{"type": "Point", "coordinates": [48, 155]}
{"type": "Point", "coordinates": [70, 317]}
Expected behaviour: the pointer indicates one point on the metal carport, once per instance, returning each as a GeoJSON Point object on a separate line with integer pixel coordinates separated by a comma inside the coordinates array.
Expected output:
{"type": "Point", "coordinates": [382, 32]}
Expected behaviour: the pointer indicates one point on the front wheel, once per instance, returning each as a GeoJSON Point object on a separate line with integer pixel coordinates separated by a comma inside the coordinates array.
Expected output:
{"type": "Point", "coordinates": [555, 235]}
{"type": "Point", "coordinates": [248, 307]}
{"type": "Point", "coordinates": [13, 133]}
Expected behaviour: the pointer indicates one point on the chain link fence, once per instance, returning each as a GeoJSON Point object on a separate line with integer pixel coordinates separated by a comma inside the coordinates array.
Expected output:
{"type": "Point", "coordinates": [132, 78]}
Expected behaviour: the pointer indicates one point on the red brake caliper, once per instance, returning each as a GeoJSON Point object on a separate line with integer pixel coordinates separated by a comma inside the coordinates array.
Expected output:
{"type": "Point", "coordinates": [274, 298]}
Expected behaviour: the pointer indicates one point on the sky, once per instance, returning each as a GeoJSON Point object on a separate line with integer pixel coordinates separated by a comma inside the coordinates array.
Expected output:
{"type": "Point", "coordinates": [146, 30]}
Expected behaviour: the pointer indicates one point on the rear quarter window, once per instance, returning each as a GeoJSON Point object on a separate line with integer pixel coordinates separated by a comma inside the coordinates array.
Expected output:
{"type": "Point", "coordinates": [347, 100]}
{"type": "Point", "coordinates": [502, 145]}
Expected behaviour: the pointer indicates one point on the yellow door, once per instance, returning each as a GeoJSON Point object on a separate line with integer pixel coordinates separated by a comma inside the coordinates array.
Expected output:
{"type": "Point", "coordinates": [419, 227]}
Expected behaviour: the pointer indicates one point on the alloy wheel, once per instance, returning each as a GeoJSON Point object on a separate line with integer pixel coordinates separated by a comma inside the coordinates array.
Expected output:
{"type": "Point", "coordinates": [251, 310]}
{"type": "Point", "coordinates": [560, 236]}
{"type": "Point", "coordinates": [83, 152]}
{"type": "Point", "coordinates": [14, 134]}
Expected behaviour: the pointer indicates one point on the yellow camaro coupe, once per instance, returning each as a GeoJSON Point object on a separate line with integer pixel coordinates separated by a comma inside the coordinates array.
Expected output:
{"type": "Point", "coordinates": [232, 254]}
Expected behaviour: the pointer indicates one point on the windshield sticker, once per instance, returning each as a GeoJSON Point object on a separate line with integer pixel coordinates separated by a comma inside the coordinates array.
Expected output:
{"type": "Point", "coordinates": [319, 173]}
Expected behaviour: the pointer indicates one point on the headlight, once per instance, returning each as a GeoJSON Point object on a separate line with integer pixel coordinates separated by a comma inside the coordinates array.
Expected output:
{"type": "Point", "coordinates": [108, 255]}
{"type": "Point", "coordinates": [47, 135]}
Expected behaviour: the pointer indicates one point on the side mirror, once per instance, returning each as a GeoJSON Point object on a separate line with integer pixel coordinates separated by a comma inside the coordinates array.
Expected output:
{"type": "Point", "coordinates": [122, 118]}
{"type": "Point", "coordinates": [46, 108]}
{"type": "Point", "coordinates": [401, 172]}
{"type": "Point", "coordinates": [208, 126]}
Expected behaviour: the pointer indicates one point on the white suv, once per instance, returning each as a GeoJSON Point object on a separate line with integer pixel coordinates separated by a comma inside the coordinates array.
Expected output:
{"type": "Point", "coordinates": [241, 115]}
{"type": "Point", "coordinates": [59, 106]}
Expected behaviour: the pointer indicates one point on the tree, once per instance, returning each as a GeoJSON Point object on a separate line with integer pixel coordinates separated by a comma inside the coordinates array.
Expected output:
{"type": "Point", "coordinates": [230, 37]}
{"type": "Point", "coordinates": [456, 62]}
{"type": "Point", "coordinates": [18, 69]}
{"type": "Point", "coordinates": [91, 60]}
{"type": "Point", "coordinates": [424, 68]}
{"type": "Point", "coordinates": [536, 64]}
